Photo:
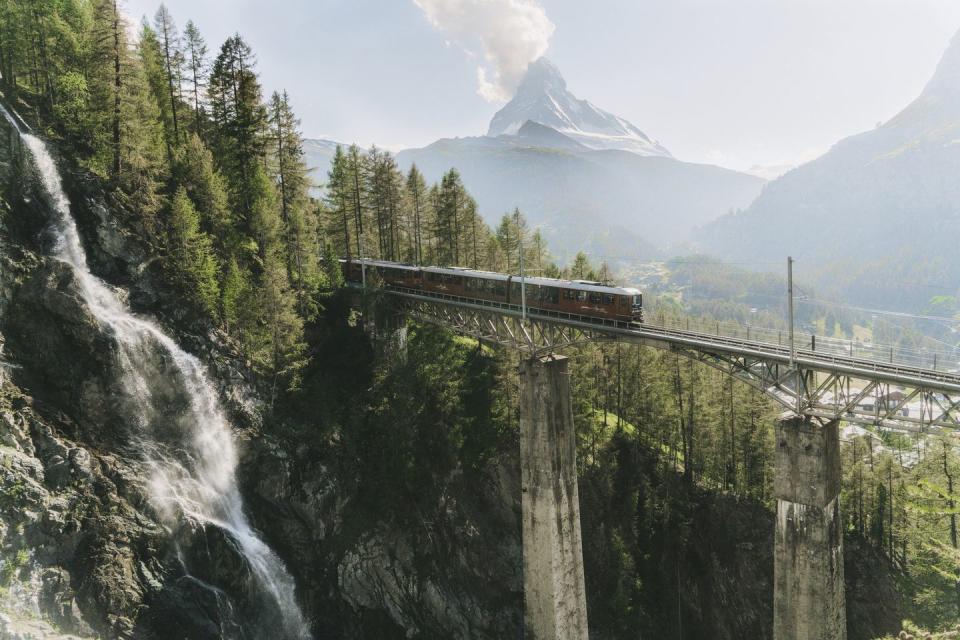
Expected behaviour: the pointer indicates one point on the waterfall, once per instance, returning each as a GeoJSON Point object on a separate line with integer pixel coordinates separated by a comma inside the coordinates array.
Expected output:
{"type": "Point", "coordinates": [182, 430]}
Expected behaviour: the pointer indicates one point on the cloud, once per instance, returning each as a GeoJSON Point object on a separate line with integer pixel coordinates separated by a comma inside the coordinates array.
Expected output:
{"type": "Point", "coordinates": [510, 34]}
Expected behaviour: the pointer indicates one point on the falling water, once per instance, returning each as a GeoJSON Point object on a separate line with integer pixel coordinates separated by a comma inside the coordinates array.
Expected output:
{"type": "Point", "coordinates": [191, 456]}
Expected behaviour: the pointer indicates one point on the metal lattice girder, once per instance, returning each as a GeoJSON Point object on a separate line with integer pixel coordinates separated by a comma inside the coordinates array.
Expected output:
{"type": "Point", "coordinates": [823, 385]}
{"type": "Point", "coordinates": [835, 396]}
{"type": "Point", "coordinates": [491, 325]}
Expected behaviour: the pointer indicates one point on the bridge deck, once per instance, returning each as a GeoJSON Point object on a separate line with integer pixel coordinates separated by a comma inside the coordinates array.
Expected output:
{"type": "Point", "coordinates": [822, 359]}
{"type": "Point", "coordinates": [864, 383]}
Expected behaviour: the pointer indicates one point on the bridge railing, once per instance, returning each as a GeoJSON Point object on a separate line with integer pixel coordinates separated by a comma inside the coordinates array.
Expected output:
{"type": "Point", "coordinates": [946, 360]}
{"type": "Point", "coordinates": [805, 343]}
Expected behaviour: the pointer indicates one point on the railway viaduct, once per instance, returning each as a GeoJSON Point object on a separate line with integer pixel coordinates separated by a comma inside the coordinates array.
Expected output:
{"type": "Point", "coordinates": [818, 381]}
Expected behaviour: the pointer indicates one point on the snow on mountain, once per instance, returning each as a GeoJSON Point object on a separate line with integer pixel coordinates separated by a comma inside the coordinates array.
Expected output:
{"type": "Point", "coordinates": [543, 98]}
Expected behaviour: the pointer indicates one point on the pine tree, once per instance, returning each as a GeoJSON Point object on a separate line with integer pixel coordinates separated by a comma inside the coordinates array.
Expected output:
{"type": "Point", "coordinates": [194, 170]}
{"type": "Point", "coordinates": [333, 274]}
{"type": "Point", "coordinates": [581, 269]}
{"type": "Point", "coordinates": [233, 291]}
{"type": "Point", "coordinates": [476, 232]}
{"type": "Point", "coordinates": [449, 218]}
{"type": "Point", "coordinates": [383, 196]}
{"type": "Point", "coordinates": [109, 57]}
{"type": "Point", "coordinates": [416, 192]}
{"type": "Point", "coordinates": [190, 254]}
{"type": "Point", "coordinates": [539, 256]}
{"type": "Point", "coordinates": [195, 54]}
{"type": "Point", "coordinates": [264, 223]}
{"type": "Point", "coordinates": [239, 120]}
{"type": "Point", "coordinates": [303, 253]}
{"type": "Point", "coordinates": [299, 216]}
{"type": "Point", "coordinates": [355, 179]}
{"type": "Point", "coordinates": [151, 60]}
{"type": "Point", "coordinates": [287, 148]}
{"type": "Point", "coordinates": [511, 236]}
{"type": "Point", "coordinates": [169, 41]}
{"type": "Point", "coordinates": [340, 216]}
{"type": "Point", "coordinates": [271, 329]}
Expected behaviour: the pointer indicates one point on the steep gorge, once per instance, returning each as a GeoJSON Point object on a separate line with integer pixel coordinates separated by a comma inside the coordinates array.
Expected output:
{"type": "Point", "coordinates": [401, 522]}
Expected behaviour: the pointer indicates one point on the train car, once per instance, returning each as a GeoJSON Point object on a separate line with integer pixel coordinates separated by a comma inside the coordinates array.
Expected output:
{"type": "Point", "coordinates": [393, 273]}
{"type": "Point", "coordinates": [547, 296]}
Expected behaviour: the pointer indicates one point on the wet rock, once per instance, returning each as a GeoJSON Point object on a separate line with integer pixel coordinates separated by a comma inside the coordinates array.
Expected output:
{"type": "Point", "coordinates": [190, 608]}
{"type": "Point", "coordinates": [80, 463]}
{"type": "Point", "coordinates": [213, 554]}
{"type": "Point", "coordinates": [57, 472]}
{"type": "Point", "coordinates": [58, 599]}
{"type": "Point", "coordinates": [69, 354]}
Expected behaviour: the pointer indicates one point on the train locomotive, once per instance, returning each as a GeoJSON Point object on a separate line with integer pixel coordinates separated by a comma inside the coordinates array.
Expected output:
{"type": "Point", "coordinates": [544, 296]}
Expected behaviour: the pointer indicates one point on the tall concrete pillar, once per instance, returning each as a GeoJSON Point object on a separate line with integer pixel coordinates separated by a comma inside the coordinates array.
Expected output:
{"type": "Point", "coordinates": [387, 330]}
{"type": "Point", "coordinates": [555, 602]}
{"type": "Point", "coordinates": [808, 601]}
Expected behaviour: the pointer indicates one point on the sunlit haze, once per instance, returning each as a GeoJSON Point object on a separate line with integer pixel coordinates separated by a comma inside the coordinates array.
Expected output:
{"type": "Point", "coordinates": [742, 83]}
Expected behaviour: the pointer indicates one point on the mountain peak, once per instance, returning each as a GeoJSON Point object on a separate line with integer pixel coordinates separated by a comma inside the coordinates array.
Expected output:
{"type": "Point", "coordinates": [542, 75]}
{"type": "Point", "coordinates": [543, 98]}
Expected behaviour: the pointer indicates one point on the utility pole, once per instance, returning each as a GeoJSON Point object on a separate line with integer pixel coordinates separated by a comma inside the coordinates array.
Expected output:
{"type": "Point", "coordinates": [793, 355]}
{"type": "Point", "coordinates": [363, 264]}
{"type": "Point", "coordinates": [790, 310]}
{"type": "Point", "coordinates": [523, 280]}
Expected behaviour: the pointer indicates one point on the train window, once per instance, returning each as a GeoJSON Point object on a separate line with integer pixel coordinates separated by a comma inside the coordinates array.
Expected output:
{"type": "Point", "coordinates": [637, 300]}
{"type": "Point", "coordinates": [581, 296]}
{"type": "Point", "coordinates": [569, 294]}
{"type": "Point", "coordinates": [608, 298]}
{"type": "Point", "coordinates": [551, 295]}
{"type": "Point", "coordinates": [533, 292]}
{"type": "Point", "coordinates": [433, 277]}
{"type": "Point", "coordinates": [594, 297]}
{"type": "Point", "coordinates": [624, 301]}
{"type": "Point", "coordinates": [456, 279]}
{"type": "Point", "coordinates": [470, 284]}
{"type": "Point", "coordinates": [500, 289]}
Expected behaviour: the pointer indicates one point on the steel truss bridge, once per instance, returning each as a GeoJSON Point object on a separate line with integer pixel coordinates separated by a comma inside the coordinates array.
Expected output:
{"type": "Point", "coordinates": [829, 378]}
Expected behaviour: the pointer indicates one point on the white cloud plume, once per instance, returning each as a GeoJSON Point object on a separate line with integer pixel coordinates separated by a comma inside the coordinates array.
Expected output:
{"type": "Point", "coordinates": [510, 34]}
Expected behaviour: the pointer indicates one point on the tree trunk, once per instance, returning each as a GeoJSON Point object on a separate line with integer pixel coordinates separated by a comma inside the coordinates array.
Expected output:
{"type": "Point", "coordinates": [117, 89]}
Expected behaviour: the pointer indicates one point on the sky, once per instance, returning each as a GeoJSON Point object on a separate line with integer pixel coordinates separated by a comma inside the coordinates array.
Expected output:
{"type": "Point", "coordinates": [739, 83]}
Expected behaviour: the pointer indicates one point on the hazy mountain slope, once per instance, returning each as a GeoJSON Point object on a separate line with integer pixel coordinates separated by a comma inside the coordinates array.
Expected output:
{"type": "Point", "coordinates": [599, 201]}
{"type": "Point", "coordinates": [591, 180]}
{"type": "Point", "coordinates": [875, 216]}
{"type": "Point", "coordinates": [318, 153]}
{"type": "Point", "coordinates": [543, 98]}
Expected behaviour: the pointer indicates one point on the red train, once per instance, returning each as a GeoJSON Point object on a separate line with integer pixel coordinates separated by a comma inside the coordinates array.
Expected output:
{"type": "Point", "coordinates": [548, 296]}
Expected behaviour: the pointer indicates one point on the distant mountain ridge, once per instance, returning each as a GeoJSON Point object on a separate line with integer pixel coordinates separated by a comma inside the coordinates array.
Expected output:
{"type": "Point", "coordinates": [543, 98]}
{"type": "Point", "coordinates": [615, 205]}
{"type": "Point", "coordinates": [879, 208]}
{"type": "Point", "coordinates": [317, 153]}
{"type": "Point", "coordinates": [591, 180]}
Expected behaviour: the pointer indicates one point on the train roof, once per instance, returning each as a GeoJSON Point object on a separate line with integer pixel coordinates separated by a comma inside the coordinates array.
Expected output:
{"type": "Point", "coordinates": [581, 285]}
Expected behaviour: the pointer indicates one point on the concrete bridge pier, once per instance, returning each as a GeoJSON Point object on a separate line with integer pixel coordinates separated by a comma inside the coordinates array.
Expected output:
{"type": "Point", "coordinates": [555, 603]}
{"type": "Point", "coordinates": [808, 601]}
{"type": "Point", "coordinates": [387, 330]}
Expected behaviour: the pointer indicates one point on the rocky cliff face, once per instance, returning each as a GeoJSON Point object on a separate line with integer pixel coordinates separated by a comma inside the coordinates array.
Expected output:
{"type": "Point", "coordinates": [83, 550]}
